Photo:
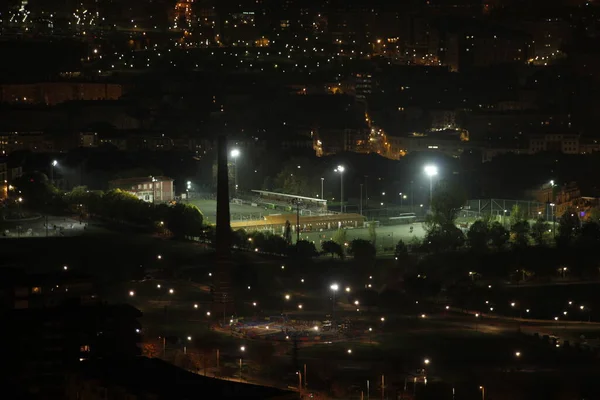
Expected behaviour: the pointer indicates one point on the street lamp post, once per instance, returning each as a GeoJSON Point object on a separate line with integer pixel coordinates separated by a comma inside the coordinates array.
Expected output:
{"type": "Point", "coordinates": [334, 288]}
{"type": "Point", "coordinates": [153, 189]}
{"type": "Point", "coordinates": [298, 203]}
{"type": "Point", "coordinates": [553, 220]}
{"type": "Point", "coordinates": [341, 169]}
{"type": "Point", "coordinates": [361, 192]}
{"type": "Point", "coordinates": [551, 203]}
{"type": "Point", "coordinates": [322, 182]}
{"type": "Point", "coordinates": [242, 350]}
{"type": "Point", "coordinates": [187, 190]}
{"type": "Point", "coordinates": [431, 171]}
{"type": "Point", "coordinates": [235, 153]}
{"type": "Point", "coordinates": [52, 165]}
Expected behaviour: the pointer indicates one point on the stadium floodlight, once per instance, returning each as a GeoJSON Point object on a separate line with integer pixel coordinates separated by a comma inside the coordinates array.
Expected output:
{"type": "Point", "coordinates": [341, 170]}
{"type": "Point", "coordinates": [431, 171]}
{"type": "Point", "coordinates": [235, 153]}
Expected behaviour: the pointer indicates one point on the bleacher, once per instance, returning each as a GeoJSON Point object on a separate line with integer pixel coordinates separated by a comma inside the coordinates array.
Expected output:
{"type": "Point", "coordinates": [287, 202]}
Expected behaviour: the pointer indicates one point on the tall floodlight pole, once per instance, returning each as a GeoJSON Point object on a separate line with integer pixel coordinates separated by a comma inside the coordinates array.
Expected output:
{"type": "Point", "coordinates": [341, 169]}
{"type": "Point", "coordinates": [235, 153]}
{"type": "Point", "coordinates": [361, 191]}
{"type": "Point", "coordinates": [52, 165]}
{"type": "Point", "coordinates": [431, 171]}
{"type": "Point", "coordinates": [322, 181]}
{"type": "Point", "coordinates": [552, 185]}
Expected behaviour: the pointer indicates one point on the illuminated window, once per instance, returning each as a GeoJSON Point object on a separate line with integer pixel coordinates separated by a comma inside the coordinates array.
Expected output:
{"type": "Point", "coordinates": [84, 349]}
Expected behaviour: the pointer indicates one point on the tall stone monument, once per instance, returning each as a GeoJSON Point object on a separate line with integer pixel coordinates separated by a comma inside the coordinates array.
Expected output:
{"type": "Point", "coordinates": [222, 301]}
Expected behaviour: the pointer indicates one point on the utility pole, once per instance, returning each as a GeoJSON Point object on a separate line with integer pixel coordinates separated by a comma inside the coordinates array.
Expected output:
{"type": "Point", "coordinates": [366, 191]}
{"type": "Point", "coordinates": [361, 192]}
{"type": "Point", "coordinates": [322, 182]}
{"type": "Point", "coordinates": [298, 202]}
{"type": "Point", "coordinates": [304, 376]}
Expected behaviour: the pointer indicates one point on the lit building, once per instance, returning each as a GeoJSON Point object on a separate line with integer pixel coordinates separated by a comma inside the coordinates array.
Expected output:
{"type": "Point", "coordinates": [563, 143]}
{"type": "Point", "coordinates": [157, 189]}
{"type": "Point", "coordinates": [52, 93]}
{"type": "Point", "coordinates": [36, 142]}
{"type": "Point", "coordinates": [364, 86]}
{"type": "Point", "coordinates": [183, 14]}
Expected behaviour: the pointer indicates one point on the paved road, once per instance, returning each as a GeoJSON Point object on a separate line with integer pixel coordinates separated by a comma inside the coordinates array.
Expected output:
{"type": "Point", "coordinates": [56, 226]}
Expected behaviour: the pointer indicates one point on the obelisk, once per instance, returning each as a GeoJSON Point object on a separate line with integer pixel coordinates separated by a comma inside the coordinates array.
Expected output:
{"type": "Point", "coordinates": [222, 302]}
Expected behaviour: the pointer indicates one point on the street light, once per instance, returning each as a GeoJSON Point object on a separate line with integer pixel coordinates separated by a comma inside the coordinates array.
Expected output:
{"type": "Point", "coordinates": [187, 190]}
{"type": "Point", "coordinates": [341, 169]}
{"type": "Point", "coordinates": [482, 388]}
{"type": "Point", "coordinates": [53, 164]}
{"type": "Point", "coordinates": [431, 171]}
{"type": "Point", "coordinates": [242, 349]}
{"type": "Point", "coordinates": [235, 153]}
{"type": "Point", "coordinates": [334, 288]}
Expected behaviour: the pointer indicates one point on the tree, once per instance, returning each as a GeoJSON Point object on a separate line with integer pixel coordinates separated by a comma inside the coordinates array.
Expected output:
{"type": "Point", "coordinates": [304, 249]}
{"type": "Point", "coordinates": [340, 237]}
{"type": "Point", "coordinates": [185, 220]}
{"type": "Point", "coordinates": [297, 177]}
{"type": "Point", "coordinates": [444, 238]}
{"type": "Point", "coordinates": [498, 235]}
{"type": "Point", "coordinates": [519, 226]}
{"type": "Point", "coordinates": [478, 235]}
{"type": "Point", "coordinates": [517, 214]}
{"type": "Point", "coordinates": [362, 250]}
{"type": "Point", "coordinates": [287, 232]}
{"type": "Point", "coordinates": [373, 234]}
{"type": "Point", "coordinates": [568, 227]}
{"type": "Point", "coordinates": [539, 231]}
{"type": "Point", "coordinates": [36, 191]}
{"type": "Point", "coordinates": [589, 235]}
{"type": "Point", "coordinates": [401, 251]}
{"type": "Point", "coordinates": [333, 248]}
{"type": "Point", "coordinates": [448, 199]}
{"type": "Point", "coordinates": [594, 214]}
{"type": "Point", "coordinates": [520, 232]}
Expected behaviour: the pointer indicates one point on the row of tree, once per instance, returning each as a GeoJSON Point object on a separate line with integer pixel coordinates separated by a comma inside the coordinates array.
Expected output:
{"type": "Point", "coordinates": [179, 219]}
{"type": "Point", "coordinates": [442, 233]}
{"type": "Point", "coordinates": [361, 250]}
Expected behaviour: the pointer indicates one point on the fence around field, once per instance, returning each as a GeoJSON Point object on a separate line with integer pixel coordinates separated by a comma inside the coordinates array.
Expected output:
{"type": "Point", "coordinates": [272, 209]}
{"type": "Point", "coordinates": [474, 209]}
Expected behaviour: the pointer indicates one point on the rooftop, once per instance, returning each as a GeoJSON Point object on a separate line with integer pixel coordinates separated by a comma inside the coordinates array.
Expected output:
{"type": "Point", "coordinates": [138, 180]}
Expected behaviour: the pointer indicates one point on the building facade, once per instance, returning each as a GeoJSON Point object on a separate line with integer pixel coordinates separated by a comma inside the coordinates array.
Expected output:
{"type": "Point", "coordinates": [157, 189]}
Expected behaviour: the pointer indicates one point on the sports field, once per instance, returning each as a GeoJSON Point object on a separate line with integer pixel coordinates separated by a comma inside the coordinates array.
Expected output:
{"type": "Point", "coordinates": [238, 211]}
{"type": "Point", "coordinates": [387, 236]}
